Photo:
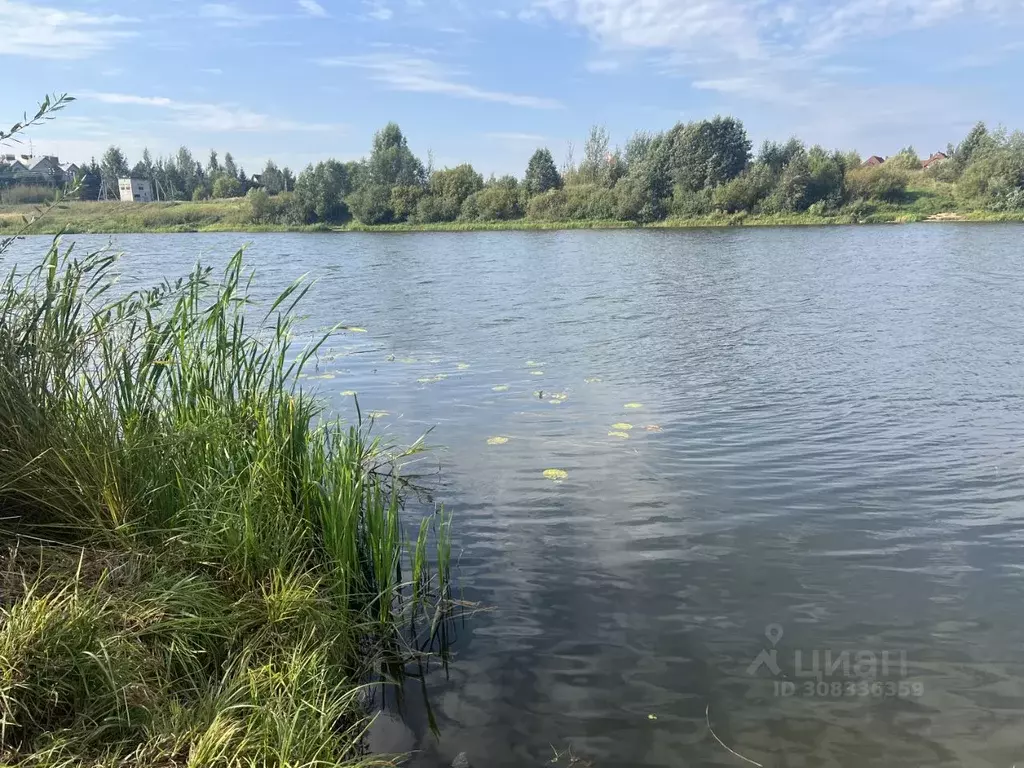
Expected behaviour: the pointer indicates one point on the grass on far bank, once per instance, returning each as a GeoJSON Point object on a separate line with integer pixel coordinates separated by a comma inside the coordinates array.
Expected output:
{"type": "Point", "coordinates": [198, 569]}
{"type": "Point", "coordinates": [926, 199]}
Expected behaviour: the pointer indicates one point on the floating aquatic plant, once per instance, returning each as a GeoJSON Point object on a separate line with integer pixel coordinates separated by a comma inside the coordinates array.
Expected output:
{"type": "Point", "coordinates": [500, 388]}
{"type": "Point", "coordinates": [633, 405]}
{"type": "Point", "coordinates": [622, 426]}
{"type": "Point", "coordinates": [499, 440]}
{"type": "Point", "coordinates": [623, 435]}
{"type": "Point", "coordinates": [556, 474]}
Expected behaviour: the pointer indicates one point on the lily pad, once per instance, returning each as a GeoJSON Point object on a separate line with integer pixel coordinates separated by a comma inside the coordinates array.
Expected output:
{"type": "Point", "coordinates": [349, 393]}
{"type": "Point", "coordinates": [623, 435]}
{"type": "Point", "coordinates": [536, 373]}
{"type": "Point", "coordinates": [653, 428]}
{"type": "Point", "coordinates": [633, 405]}
{"type": "Point", "coordinates": [622, 426]}
{"type": "Point", "coordinates": [378, 414]}
{"type": "Point", "coordinates": [559, 396]}
{"type": "Point", "coordinates": [500, 388]}
{"type": "Point", "coordinates": [499, 440]}
{"type": "Point", "coordinates": [407, 360]}
{"type": "Point", "coordinates": [532, 364]}
{"type": "Point", "coordinates": [556, 474]}
{"type": "Point", "coordinates": [462, 366]}
{"type": "Point", "coordinates": [354, 329]}
{"type": "Point", "coordinates": [592, 380]}
{"type": "Point", "coordinates": [427, 379]}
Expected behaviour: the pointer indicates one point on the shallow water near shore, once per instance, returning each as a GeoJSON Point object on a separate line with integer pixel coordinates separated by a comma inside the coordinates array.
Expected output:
{"type": "Point", "coordinates": [771, 478]}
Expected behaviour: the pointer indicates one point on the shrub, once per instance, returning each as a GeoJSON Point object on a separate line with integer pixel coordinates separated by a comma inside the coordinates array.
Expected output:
{"type": "Point", "coordinates": [879, 183]}
{"type": "Point", "coordinates": [225, 186]}
{"type": "Point", "coordinates": [261, 210]}
{"type": "Point", "coordinates": [371, 204]}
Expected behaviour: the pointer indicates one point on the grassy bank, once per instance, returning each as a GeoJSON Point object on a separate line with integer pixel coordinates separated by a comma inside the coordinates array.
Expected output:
{"type": "Point", "coordinates": [199, 567]}
{"type": "Point", "coordinates": [930, 202]}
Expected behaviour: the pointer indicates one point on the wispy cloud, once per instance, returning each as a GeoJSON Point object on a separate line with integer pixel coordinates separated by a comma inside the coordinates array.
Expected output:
{"type": "Point", "coordinates": [403, 72]}
{"type": "Point", "coordinates": [602, 65]}
{"type": "Point", "coordinates": [378, 9]}
{"type": "Point", "coordinates": [211, 117]}
{"type": "Point", "coordinates": [525, 138]}
{"type": "Point", "coordinates": [313, 8]}
{"type": "Point", "coordinates": [50, 33]}
{"type": "Point", "coordinates": [230, 15]}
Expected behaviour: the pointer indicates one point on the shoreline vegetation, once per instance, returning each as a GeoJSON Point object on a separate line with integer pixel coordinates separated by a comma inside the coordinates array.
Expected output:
{"type": "Point", "coordinates": [200, 567]}
{"type": "Point", "coordinates": [698, 174]}
{"type": "Point", "coordinates": [232, 215]}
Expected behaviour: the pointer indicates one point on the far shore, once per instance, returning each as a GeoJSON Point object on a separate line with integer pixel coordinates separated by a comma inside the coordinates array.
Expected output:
{"type": "Point", "coordinates": [231, 216]}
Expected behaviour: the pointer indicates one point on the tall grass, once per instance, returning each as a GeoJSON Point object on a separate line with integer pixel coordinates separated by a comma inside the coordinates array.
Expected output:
{"type": "Point", "coordinates": [203, 567]}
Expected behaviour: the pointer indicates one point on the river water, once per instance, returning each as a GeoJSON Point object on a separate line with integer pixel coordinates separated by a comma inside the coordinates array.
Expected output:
{"type": "Point", "coordinates": [808, 529]}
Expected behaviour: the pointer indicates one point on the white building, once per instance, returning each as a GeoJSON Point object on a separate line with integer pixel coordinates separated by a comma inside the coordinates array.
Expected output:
{"type": "Point", "coordinates": [136, 190]}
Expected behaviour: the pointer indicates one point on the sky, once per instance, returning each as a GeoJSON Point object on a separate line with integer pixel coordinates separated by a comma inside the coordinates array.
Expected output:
{"type": "Point", "coordinates": [487, 82]}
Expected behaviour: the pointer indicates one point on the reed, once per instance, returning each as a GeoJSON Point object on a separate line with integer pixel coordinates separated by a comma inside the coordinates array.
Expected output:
{"type": "Point", "coordinates": [204, 566]}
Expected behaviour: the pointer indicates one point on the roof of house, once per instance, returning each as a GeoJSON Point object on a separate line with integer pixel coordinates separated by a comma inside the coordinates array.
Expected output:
{"type": "Point", "coordinates": [874, 160]}
{"type": "Point", "coordinates": [936, 158]}
{"type": "Point", "coordinates": [41, 163]}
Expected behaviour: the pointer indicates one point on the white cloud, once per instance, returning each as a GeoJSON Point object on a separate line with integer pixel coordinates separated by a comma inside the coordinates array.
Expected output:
{"type": "Point", "coordinates": [378, 10]}
{"type": "Point", "coordinates": [50, 33]}
{"type": "Point", "coordinates": [525, 138]}
{"type": "Point", "coordinates": [313, 8]}
{"type": "Point", "coordinates": [211, 117]}
{"type": "Point", "coordinates": [404, 72]}
{"type": "Point", "coordinates": [230, 15]}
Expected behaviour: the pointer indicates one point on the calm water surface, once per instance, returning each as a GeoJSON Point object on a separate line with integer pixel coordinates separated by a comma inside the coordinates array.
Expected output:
{"type": "Point", "coordinates": [838, 455]}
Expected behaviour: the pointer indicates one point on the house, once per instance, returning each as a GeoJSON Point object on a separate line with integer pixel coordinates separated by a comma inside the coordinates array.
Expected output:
{"type": "Point", "coordinates": [44, 169]}
{"type": "Point", "coordinates": [938, 157]}
{"type": "Point", "coordinates": [873, 161]}
{"type": "Point", "coordinates": [136, 190]}
{"type": "Point", "coordinates": [70, 171]}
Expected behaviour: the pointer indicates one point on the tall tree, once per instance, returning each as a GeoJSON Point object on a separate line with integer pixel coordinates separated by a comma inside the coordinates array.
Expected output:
{"type": "Point", "coordinates": [596, 158]}
{"type": "Point", "coordinates": [707, 153]}
{"type": "Point", "coordinates": [229, 166]}
{"type": "Point", "coordinates": [213, 164]}
{"type": "Point", "coordinates": [272, 179]}
{"type": "Point", "coordinates": [541, 173]}
{"type": "Point", "coordinates": [113, 166]}
{"type": "Point", "coordinates": [392, 163]}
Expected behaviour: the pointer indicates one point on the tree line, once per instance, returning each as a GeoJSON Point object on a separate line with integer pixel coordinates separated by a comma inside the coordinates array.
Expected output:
{"type": "Point", "coordinates": [693, 169]}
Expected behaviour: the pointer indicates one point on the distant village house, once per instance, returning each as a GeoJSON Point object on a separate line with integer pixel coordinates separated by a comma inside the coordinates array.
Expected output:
{"type": "Point", "coordinates": [136, 190]}
{"type": "Point", "coordinates": [873, 161]}
{"type": "Point", "coordinates": [938, 157]}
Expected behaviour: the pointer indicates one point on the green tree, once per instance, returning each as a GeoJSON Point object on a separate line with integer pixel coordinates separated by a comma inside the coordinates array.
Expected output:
{"type": "Point", "coordinates": [541, 173]}
{"type": "Point", "coordinates": [260, 206]}
{"type": "Point", "coordinates": [321, 192]}
{"type": "Point", "coordinates": [371, 204]}
{"type": "Point", "coordinates": [451, 187]}
{"type": "Point", "coordinates": [906, 159]}
{"type": "Point", "coordinates": [113, 166]}
{"type": "Point", "coordinates": [975, 142]}
{"type": "Point", "coordinates": [707, 153]}
{"type": "Point", "coordinates": [272, 178]}
{"type": "Point", "coordinates": [595, 168]}
{"type": "Point", "coordinates": [212, 165]}
{"type": "Point", "coordinates": [226, 186]}
{"type": "Point", "coordinates": [644, 191]}
{"type": "Point", "coordinates": [229, 166]}
{"type": "Point", "coordinates": [391, 162]}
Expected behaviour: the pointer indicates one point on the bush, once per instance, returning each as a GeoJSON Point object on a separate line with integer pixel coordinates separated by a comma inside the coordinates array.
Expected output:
{"type": "Point", "coordinates": [686, 204]}
{"type": "Point", "coordinates": [261, 210]}
{"type": "Point", "coordinates": [404, 201]}
{"type": "Point", "coordinates": [431, 210]}
{"type": "Point", "coordinates": [498, 201]}
{"type": "Point", "coordinates": [635, 202]}
{"type": "Point", "coordinates": [880, 183]}
{"type": "Point", "coordinates": [371, 204]}
{"type": "Point", "coordinates": [574, 203]}
{"type": "Point", "coordinates": [745, 192]}
{"type": "Point", "coordinates": [225, 186]}
{"type": "Point", "coordinates": [199, 194]}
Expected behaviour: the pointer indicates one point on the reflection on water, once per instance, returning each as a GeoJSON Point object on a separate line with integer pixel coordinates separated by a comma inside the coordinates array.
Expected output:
{"type": "Point", "coordinates": [780, 488]}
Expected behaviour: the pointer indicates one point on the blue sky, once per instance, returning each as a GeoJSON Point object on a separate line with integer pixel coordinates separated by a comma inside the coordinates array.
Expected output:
{"type": "Point", "coordinates": [487, 82]}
